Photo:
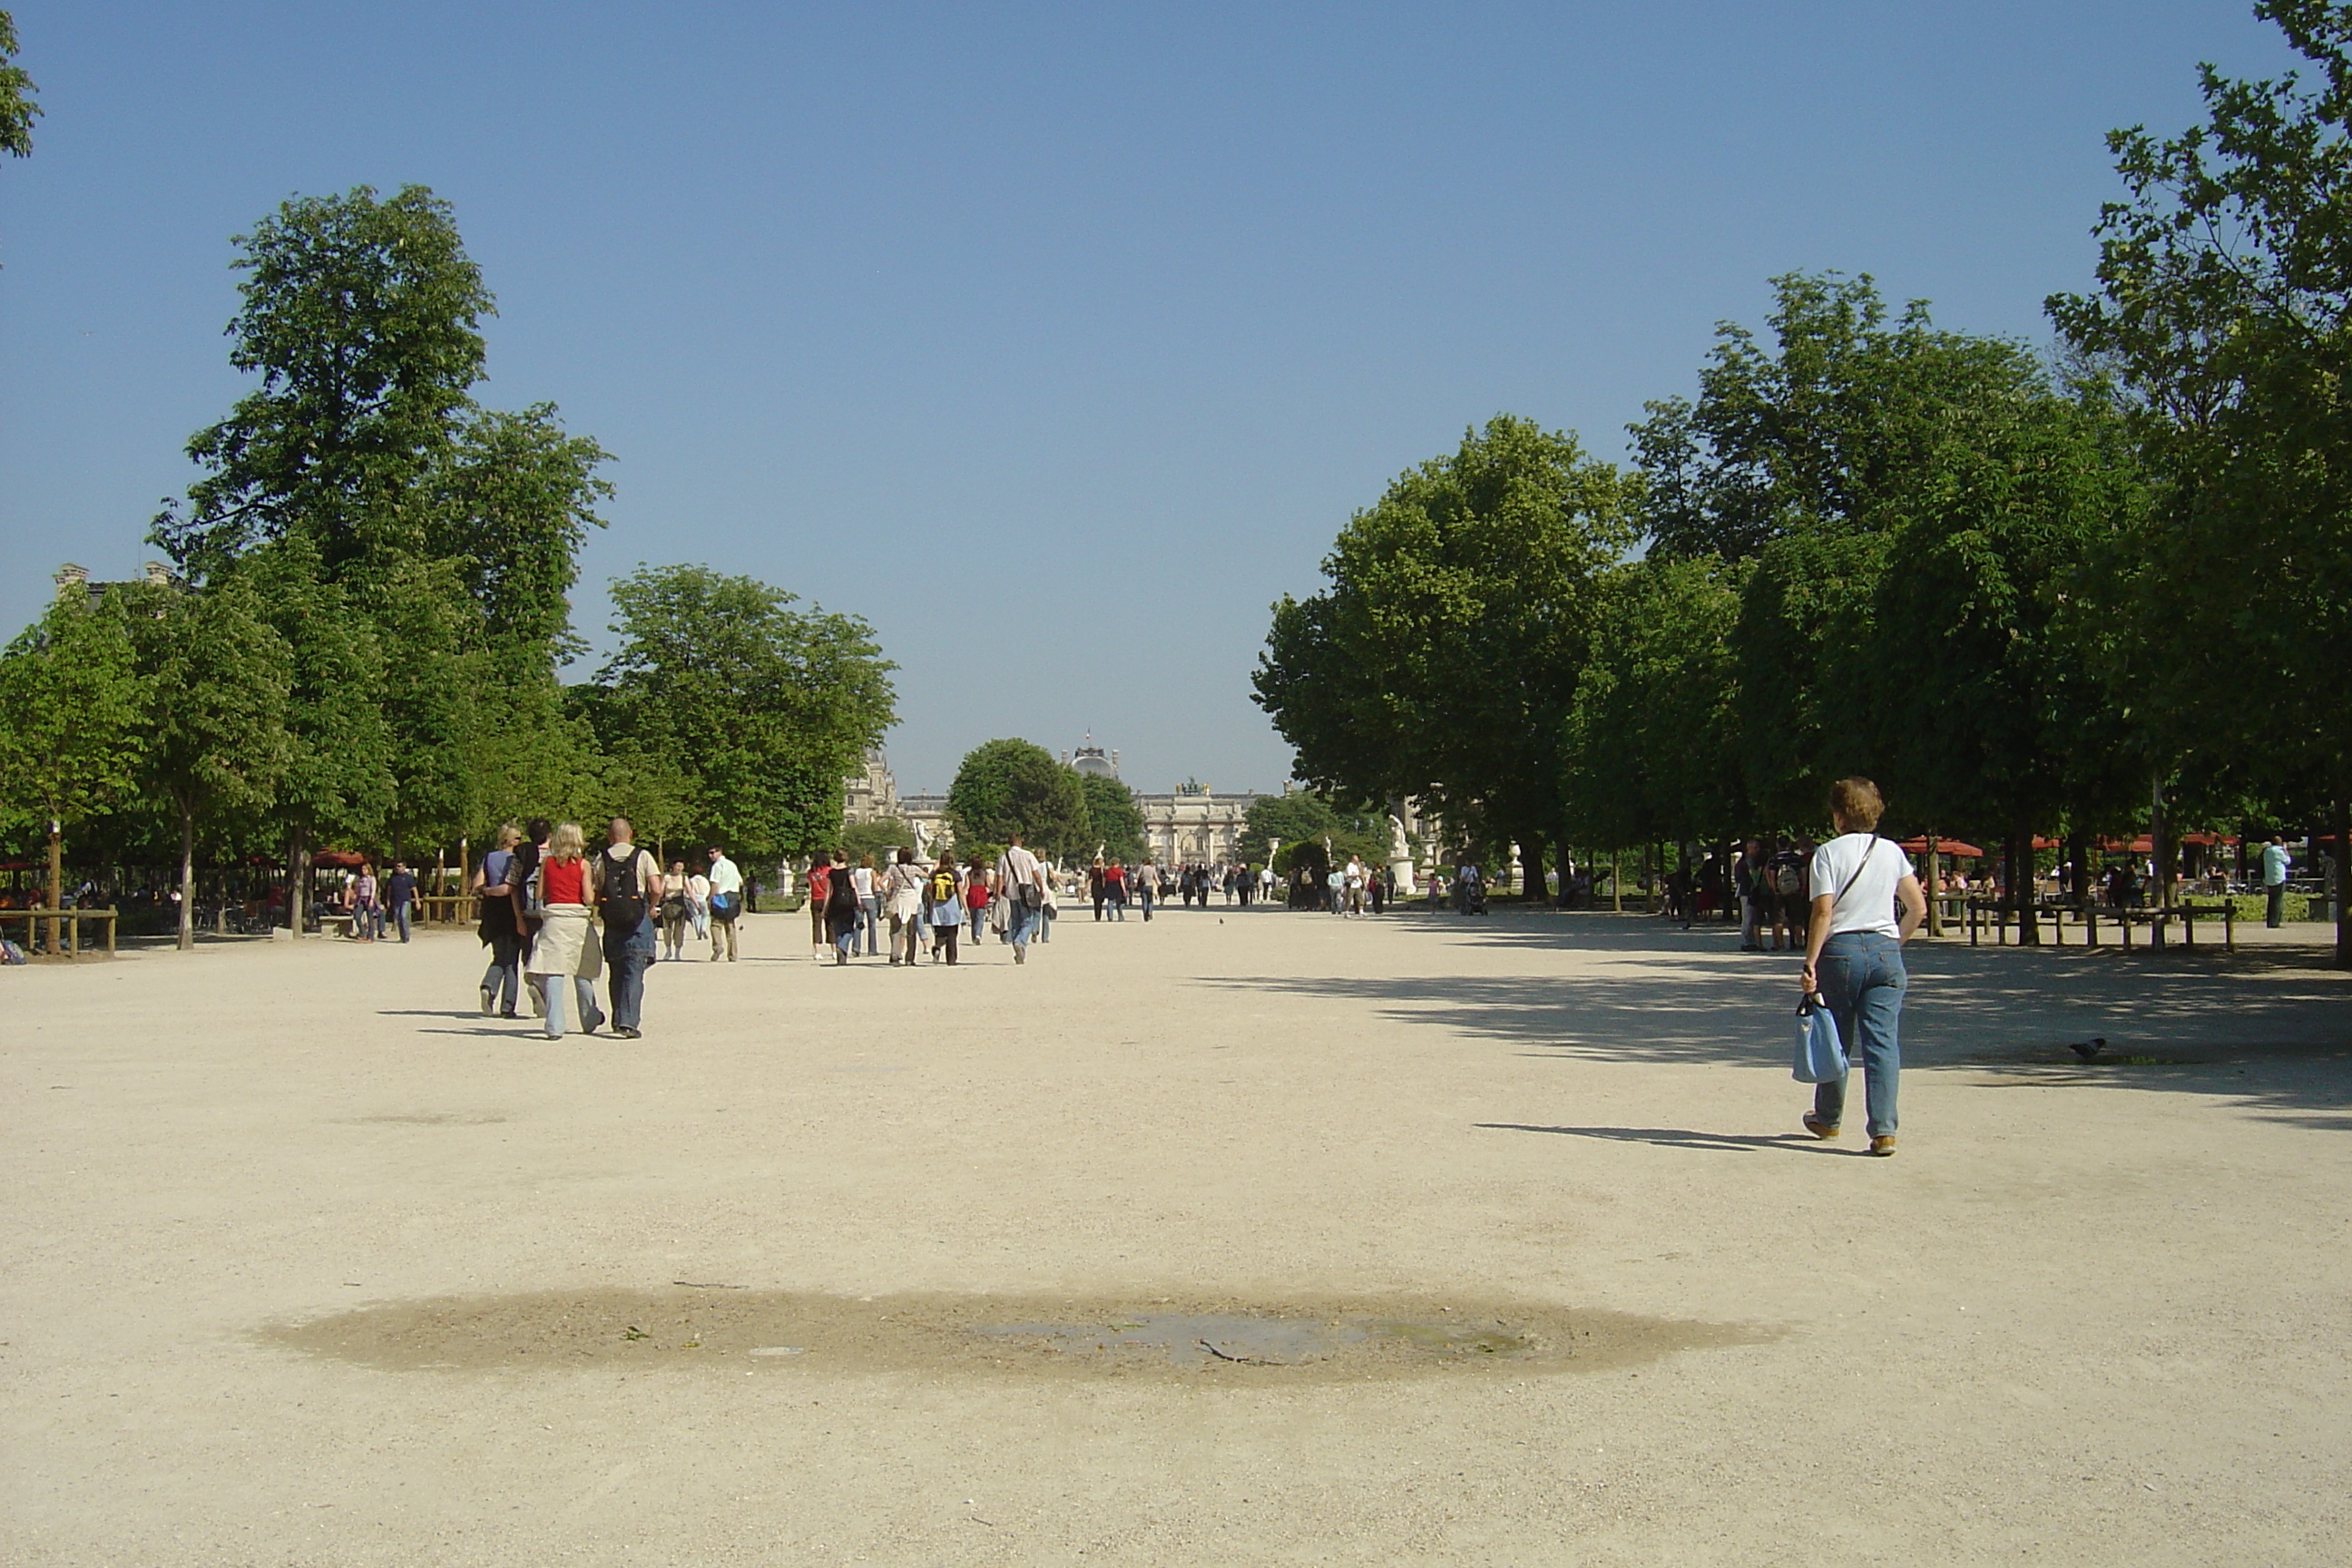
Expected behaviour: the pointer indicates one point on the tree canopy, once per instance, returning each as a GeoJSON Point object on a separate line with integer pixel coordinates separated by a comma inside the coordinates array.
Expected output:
{"type": "Point", "coordinates": [18, 108]}
{"type": "Point", "coordinates": [1008, 786]}
{"type": "Point", "coordinates": [758, 709]}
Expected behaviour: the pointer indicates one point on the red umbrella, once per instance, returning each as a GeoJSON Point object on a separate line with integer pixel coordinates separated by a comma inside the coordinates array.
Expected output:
{"type": "Point", "coordinates": [1945, 847]}
{"type": "Point", "coordinates": [344, 859]}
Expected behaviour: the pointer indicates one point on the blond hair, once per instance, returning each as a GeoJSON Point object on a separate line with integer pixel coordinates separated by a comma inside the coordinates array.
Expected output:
{"type": "Point", "coordinates": [510, 835]}
{"type": "Point", "coordinates": [1856, 803]}
{"type": "Point", "coordinates": [567, 843]}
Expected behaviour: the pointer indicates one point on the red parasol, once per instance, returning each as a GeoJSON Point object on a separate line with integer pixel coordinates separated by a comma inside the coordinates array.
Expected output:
{"type": "Point", "coordinates": [1945, 847]}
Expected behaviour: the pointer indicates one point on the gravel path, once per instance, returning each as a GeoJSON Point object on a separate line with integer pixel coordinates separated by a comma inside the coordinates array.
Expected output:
{"type": "Point", "coordinates": [304, 1262]}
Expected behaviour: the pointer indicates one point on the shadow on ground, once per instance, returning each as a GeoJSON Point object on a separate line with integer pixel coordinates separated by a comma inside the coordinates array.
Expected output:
{"type": "Point", "coordinates": [2264, 1024]}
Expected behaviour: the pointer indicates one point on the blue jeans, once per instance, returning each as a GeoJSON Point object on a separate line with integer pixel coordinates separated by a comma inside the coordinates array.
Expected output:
{"type": "Point", "coordinates": [590, 1018]}
{"type": "Point", "coordinates": [1145, 900]}
{"type": "Point", "coordinates": [1863, 979]}
{"type": "Point", "coordinates": [400, 918]}
{"type": "Point", "coordinates": [868, 928]}
{"type": "Point", "coordinates": [979, 920]}
{"type": "Point", "coordinates": [503, 979]}
{"type": "Point", "coordinates": [1016, 928]}
{"type": "Point", "coordinates": [626, 956]}
{"type": "Point", "coordinates": [1119, 906]}
{"type": "Point", "coordinates": [1043, 929]}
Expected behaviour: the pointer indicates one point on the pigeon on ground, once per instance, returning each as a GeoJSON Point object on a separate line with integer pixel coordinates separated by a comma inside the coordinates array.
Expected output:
{"type": "Point", "coordinates": [2090, 1048]}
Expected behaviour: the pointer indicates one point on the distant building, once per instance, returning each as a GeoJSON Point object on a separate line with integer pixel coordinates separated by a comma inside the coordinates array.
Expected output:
{"type": "Point", "coordinates": [73, 581]}
{"type": "Point", "coordinates": [1188, 823]}
{"type": "Point", "coordinates": [871, 795]}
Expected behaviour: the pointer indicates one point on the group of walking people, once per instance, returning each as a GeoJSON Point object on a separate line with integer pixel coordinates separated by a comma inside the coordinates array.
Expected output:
{"type": "Point", "coordinates": [928, 908]}
{"type": "Point", "coordinates": [557, 919]}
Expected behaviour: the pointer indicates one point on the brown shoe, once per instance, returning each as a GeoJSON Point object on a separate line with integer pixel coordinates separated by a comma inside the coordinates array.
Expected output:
{"type": "Point", "coordinates": [1819, 1128]}
{"type": "Point", "coordinates": [1884, 1146]}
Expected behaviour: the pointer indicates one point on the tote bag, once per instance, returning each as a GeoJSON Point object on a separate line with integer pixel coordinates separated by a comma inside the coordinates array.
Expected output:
{"type": "Point", "coordinates": [1821, 1054]}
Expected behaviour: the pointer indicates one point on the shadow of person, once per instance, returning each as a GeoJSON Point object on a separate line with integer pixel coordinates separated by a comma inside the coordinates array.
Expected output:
{"type": "Point", "coordinates": [1678, 1136]}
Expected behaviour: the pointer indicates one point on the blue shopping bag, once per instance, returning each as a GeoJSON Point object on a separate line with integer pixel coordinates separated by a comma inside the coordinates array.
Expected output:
{"type": "Point", "coordinates": [1820, 1056]}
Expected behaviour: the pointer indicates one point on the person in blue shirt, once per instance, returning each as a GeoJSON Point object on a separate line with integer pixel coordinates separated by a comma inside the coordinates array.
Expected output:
{"type": "Point", "coordinates": [2275, 863]}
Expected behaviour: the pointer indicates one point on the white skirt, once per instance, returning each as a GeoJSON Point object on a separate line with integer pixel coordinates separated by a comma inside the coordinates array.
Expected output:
{"type": "Point", "coordinates": [567, 946]}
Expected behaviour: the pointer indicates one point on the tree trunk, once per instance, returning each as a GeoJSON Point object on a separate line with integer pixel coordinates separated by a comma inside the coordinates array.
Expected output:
{"type": "Point", "coordinates": [1562, 861]}
{"type": "Point", "coordinates": [1617, 881]}
{"type": "Point", "coordinates": [1935, 884]}
{"type": "Point", "coordinates": [297, 881]}
{"type": "Point", "coordinates": [2029, 920]}
{"type": "Point", "coordinates": [1649, 880]}
{"type": "Point", "coordinates": [57, 880]}
{"type": "Point", "coordinates": [187, 879]}
{"type": "Point", "coordinates": [1531, 868]}
{"type": "Point", "coordinates": [2078, 855]}
{"type": "Point", "coordinates": [2343, 813]}
{"type": "Point", "coordinates": [2159, 844]}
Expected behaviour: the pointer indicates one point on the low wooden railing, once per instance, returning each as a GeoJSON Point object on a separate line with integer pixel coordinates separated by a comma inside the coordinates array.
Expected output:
{"type": "Point", "coordinates": [71, 918]}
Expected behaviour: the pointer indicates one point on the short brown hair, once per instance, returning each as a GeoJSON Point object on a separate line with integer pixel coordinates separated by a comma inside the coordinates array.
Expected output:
{"type": "Point", "coordinates": [1856, 802]}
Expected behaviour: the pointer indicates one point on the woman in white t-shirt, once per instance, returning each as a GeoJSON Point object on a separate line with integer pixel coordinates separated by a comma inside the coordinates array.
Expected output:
{"type": "Point", "coordinates": [1853, 953]}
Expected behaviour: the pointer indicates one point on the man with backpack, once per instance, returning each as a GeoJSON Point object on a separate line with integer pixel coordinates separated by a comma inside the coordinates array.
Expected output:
{"type": "Point", "coordinates": [1791, 903]}
{"type": "Point", "coordinates": [1022, 881]}
{"type": "Point", "coordinates": [629, 890]}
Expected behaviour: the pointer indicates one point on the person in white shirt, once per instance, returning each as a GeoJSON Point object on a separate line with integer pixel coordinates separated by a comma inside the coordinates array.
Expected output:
{"type": "Point", "coordinates": [726, 904]}
{"type": "Point", "coordinates": [864, 882]}
{"type": "Point", "coordinates": [1021, 883]}
{"type": "Point", "coordinates": [1853, 953]}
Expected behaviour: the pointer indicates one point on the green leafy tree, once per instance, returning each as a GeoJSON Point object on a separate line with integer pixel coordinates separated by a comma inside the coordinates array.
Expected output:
{"type": "Point", "coordinates": [1649, 748]}
{"type": "Point", "coordinates": [2223, 308]}
{"type": "Point", "coordinates": [1009, 786]}
{"type": "Point", "coordinates": [1301, 815]}
{"type": "Point", "coordinates": [362, 318]}
{"type": "Point", "coordinates": [70, 711]}
{"type": "Point", "coordinates": [881, 838]}
{"type": "Point", "coordinates": [215, 680]}
{"type": "Point", "coordinates": [1442, 659]}
{"type": "Point", "coordinates": [1116, 819]}
{"type": "Point", "coordinates": [17, 110]}
{"type": "Point", "coordinates": [765, 708]}
{"type": "Point", "coordinates": [338, 785]}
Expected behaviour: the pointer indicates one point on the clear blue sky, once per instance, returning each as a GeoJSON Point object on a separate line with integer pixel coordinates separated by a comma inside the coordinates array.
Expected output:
{"type": "Point", "coordinates": [1057, 340]}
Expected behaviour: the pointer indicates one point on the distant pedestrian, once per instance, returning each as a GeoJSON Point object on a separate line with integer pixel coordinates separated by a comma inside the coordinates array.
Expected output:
{"type": "Point", "coordinates": [1099, 890]}
{"type": "Point", "coordinates": [1021, 883]}
{"type": "Point", "coordinates": [677, 914]}
{"type": "Point", "coordinates": [498, 926]}
{"type": "Point", "coordinates": [975, 896]}
{"type": "Point", "coordinates": [562, 951]}
{"type": "Point", "coordinates": [1049, 910]}
{"type": "Point", "coordinates": [1747, 874]}
{"type": "Point", "coordinates": [519, 872]}
{"type": "Point", "coordinates": [820, 887]}
{"type": "Point", "coordinates": [1853, 954]}
{"type": "Point", "coordinates": [1147, 886]}
{"type": "Point", "coordinates": [2277, 862]}
{"type": "Point", "coordinates": [367, 915]}
{"type": "Point", "coordinates": [944, 909]}
{"type": "Point", "coordinates": [1785, 895]}
{"type": "Point", "coordinates": [726, 904]}
{"type": "Point", "coordinates": [628, 888]}
{"type": "Point", "coordinates": [902, 893]}
{"type": "Point", "coordinates": [1115, 888]}
{"type": "Point", "coordinates": [839, 909]}
{"type": "Point", "coordinates": [399, 892]}
{"type": "Point", "coordinates": [697, 905]}
{"type": "Point", "coordinates": [868, 888]}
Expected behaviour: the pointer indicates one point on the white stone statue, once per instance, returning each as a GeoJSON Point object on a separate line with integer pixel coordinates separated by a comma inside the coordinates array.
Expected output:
{"type": "Point", "coordinates": [922, 847]}
{"type": "Point", "coordinates": [1400, 858]}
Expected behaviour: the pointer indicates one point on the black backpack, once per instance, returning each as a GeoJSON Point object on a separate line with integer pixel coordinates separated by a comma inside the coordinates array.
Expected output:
{"type": "Point", "coordinates": [619, 901]}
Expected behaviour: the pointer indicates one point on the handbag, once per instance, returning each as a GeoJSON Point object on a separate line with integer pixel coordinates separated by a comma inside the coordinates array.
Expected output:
{"type": "Point", "coordinates": [1821, 1054]}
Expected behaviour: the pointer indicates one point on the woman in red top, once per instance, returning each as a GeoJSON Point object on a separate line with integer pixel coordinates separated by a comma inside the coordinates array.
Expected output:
{"type": "Point", "coordinates": [975, 896]}
{"type": "Point", "coordinates": [560, 895]}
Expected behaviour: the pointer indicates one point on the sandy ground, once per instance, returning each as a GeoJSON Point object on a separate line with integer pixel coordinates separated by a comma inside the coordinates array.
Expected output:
{"type": "Point", "coordinates": [302, 1262]}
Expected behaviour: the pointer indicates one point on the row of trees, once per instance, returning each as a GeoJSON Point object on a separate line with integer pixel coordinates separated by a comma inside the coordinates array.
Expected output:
{"type": "Point", "coordinates": [2031, 593]}
{"type": "Point", "coordinates": [366, 644]}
